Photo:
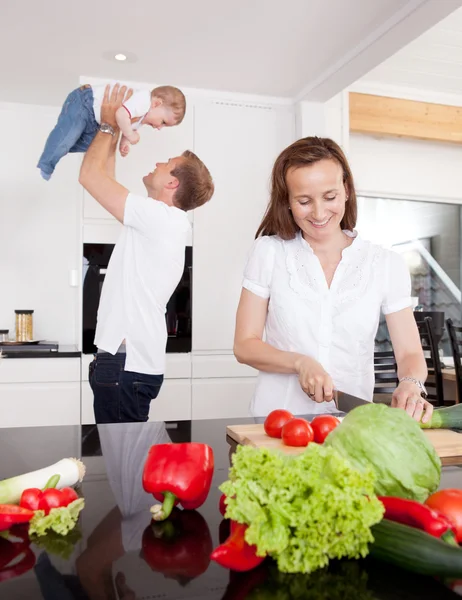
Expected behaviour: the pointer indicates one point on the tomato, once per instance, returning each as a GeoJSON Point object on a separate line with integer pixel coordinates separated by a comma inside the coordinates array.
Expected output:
{"type": "Point", "coordinates": [322, 426]}
{"type": "Point", "coordinates": [68, 495]}
{"type": "Point", "coordinates": [297, 432]}
{"type": "Point", "coordinates": [275, 421]}
{"type": "Point", "coordinates": [449, 504]}
{"type": "Point", "coordinates": [51, 498]}
{"type": "Point", "coordinates": [30, 498]}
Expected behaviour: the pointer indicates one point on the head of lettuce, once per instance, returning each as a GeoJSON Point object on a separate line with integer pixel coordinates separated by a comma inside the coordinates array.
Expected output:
{"type": "Point", "coordinates": [393, 444]}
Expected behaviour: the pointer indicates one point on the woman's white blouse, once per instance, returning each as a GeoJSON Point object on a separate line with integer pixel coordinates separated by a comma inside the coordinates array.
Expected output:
{"type": "Point", "coordinates": [336, 325]}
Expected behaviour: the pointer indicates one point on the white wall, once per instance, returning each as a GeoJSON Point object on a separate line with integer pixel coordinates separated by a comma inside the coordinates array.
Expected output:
{"type": "Point", "coordinates": [39, 227]}
{"type": "Point", "coordinates": [392, 167]}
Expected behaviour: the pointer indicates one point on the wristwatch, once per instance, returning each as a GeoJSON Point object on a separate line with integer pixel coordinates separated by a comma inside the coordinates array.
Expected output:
{"type": "Point", "coordinates": [106, 128]}
{"type": "Point", "coordinates": [419, 384]}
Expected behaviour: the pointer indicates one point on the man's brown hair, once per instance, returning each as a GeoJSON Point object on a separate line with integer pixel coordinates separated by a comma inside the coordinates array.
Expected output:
{"type": "Point", "coordinates": [195, 182]}
{"type": "Point", "coordinates": [172, 98]}
{"type": "Point", "coordinates": [278, 220]}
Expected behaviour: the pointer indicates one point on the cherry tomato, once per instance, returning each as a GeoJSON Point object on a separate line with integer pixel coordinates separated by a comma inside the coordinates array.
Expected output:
{"type": "Point", "coordinates": [51, 498]}
{"type": "Point", "coordinates": [297, 432]}
{"type": "Point", "coordinates": [449, 504]}
{"type": "Point", "coordinates": [30, 498]}
{"type": "Point", "coordinates": [275, 421]}
{"type": "Point", "coordinates": [68, 495]}
{"type": "Point", "coordinates": [222, 506]}
{"type": "Point", "coordinates": [322, 426]}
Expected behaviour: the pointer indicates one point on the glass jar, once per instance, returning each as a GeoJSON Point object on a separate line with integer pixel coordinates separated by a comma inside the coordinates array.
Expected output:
{"type": "Point", "coordinates": [4, 335]}
{"type": "Point", "coordinates": [24, 325]}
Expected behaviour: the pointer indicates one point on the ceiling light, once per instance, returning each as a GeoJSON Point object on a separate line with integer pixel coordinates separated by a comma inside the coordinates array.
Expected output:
{"type": "Point", "coordinates": [120, 57]}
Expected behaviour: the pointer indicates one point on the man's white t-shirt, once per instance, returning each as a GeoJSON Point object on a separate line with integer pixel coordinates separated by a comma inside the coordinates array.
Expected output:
{"type": "Point", "coordinates": [145, 267]}
{"type": "Point", "coordinates": [137, 105]}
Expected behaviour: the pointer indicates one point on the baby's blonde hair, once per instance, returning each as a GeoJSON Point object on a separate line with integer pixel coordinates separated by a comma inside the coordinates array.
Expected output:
{"type": "Point", "coordinates": [172, 98]}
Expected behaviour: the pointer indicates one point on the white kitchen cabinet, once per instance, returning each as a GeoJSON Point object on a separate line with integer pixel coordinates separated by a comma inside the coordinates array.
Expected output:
{"type": "Point", "coordinates": [239, 144]}
{"type": "Point", "coordinates": [222, 398]}
{"type": "Point", "coordinates": [39, 404]}
{"type": "Point", "coordinates": [154, 146]}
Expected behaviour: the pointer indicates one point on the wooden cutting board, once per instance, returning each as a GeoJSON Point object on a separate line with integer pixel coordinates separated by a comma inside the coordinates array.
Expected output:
{"type": "Point", "coordinates": [448, 444]}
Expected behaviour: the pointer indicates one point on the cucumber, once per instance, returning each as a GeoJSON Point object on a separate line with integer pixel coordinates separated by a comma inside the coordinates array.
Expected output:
{"type": "Point", "coordinates": [415, 550]}
{"type": "Point", "coordinates": [449, 417]}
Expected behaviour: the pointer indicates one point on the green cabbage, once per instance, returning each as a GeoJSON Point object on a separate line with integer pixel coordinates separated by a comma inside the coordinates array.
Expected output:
{"type": "Point", "coordinates": [393, 444]}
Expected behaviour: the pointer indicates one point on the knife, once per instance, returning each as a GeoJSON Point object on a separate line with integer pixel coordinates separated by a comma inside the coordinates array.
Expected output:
{"type": "Point", "coordinates": [346, 402]}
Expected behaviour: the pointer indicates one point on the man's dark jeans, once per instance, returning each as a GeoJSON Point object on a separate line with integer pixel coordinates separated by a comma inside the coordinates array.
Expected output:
{"type": "Point", "coordinates": [121, 396]}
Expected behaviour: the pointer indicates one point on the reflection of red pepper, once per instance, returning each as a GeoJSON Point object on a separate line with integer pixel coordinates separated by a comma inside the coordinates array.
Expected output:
{"type": "Point", "coordinates": [18, 568]}
{"type": "Point", "coordinates": [180, 547]}
{"type": "Point", "coordinates": [176, 473]}
{"type": "Point", "coordinates": [236, 553]}
{"type": "Point", "coordinates": [11, 514]}
{"type": "Point", "coordinates": [241, 584]}
{"type": "Point", "coordinates": [420, 516]}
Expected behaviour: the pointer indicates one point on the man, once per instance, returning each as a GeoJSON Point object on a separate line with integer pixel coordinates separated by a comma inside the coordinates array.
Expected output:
{"type": "Point", "coordinates": [144, 270]}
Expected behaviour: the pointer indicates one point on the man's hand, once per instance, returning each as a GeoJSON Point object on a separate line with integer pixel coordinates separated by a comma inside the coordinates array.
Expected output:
{"type": "Point", "coordinates": [113, 101]}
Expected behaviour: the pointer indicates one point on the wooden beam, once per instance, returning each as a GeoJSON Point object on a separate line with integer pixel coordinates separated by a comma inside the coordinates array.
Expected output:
{"type": "Point", "coordinates": [405, 118]}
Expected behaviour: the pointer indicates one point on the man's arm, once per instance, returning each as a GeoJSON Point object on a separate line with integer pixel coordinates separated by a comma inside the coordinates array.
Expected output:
{"type": "Point", "coordinates": [99, 160]}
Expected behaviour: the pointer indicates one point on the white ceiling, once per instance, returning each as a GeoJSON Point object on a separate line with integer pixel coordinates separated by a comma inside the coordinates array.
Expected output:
{"type": "Point", "coordinates": [297, 48]}
{"type": "Point", "coordinates": [433, 62]}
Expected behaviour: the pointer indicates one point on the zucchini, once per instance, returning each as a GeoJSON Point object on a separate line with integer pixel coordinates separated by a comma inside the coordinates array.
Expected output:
{"type": "Point", "coordinates": [415, 550]}
{"type": "Point", "coordinates": [449, 417]}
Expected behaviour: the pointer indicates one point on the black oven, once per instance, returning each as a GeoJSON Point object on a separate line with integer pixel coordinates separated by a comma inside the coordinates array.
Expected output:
{"type": "Point", "coordinates": [178, 315]}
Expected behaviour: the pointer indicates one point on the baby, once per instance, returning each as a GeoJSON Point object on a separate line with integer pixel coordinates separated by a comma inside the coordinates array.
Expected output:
{"type": "Point", "coordinates": [79, 120]}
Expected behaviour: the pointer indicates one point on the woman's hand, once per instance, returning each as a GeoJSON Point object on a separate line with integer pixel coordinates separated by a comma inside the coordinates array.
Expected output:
{"type": "Point", "coordinates": [314, 380]}
{"type": "Point", "coordinates": [407, 396]}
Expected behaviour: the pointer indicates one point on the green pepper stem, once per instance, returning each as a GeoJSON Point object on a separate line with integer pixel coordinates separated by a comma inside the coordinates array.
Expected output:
{"type": "Point", "coordinates": [449, 538]}
{"type": "Point", "coordinates": [162, 512]}
{"type": "Point", "coordinates": [52, 482]}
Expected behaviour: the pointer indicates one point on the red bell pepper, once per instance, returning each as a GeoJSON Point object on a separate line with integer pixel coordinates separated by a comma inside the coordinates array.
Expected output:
{"type": "Point", "coordinates": [10, 514]}
{"type": "Point", "coordinates": [236, 553]}
{"type": "Point", "coordinates": [222, 505]}
{"type": "Point", "coordinates": [420, 516]}
{"type": "Point", "coordinates": [180, 547]}
{"type": "Point", "coordinates": [178, 473]}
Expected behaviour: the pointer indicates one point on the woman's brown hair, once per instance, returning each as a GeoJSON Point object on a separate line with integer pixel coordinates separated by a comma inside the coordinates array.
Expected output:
{"type": "Point", "coordinates": [278, 220]}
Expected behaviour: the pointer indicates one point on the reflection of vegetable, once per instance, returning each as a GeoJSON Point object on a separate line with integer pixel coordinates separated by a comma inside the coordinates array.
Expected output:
{"type": "Point", "coordinates": [449, 503]}
{"type": "Point", "coordinates": [342, 581]}
{"type": "Point", "coordinates": [297, 432]}
{"type": "Point", "coordinates": [322, 426]}
{"type": "Point", "coordinates": [235, 553]}
{"type": "Point", "coordinates": [61, 520]}
{"type": "Point", "coordinates": [178, 473]}
{"type": "Point", "coordinates": [241, 584]}
{"type": "Point", "coordinates": [302, 510]}
{"type": "Point", "coordinates": [10, 514]}
{"type": "Point", "coordinates": [59, 545]}
{"type": "Point", "coordinates": [180, 547]}
{"type": "Point", "coordinates": [414, 514]}
{"type": "Point", "coordinates": [449, 417]}
{"type": "Point", "coordinates": [26, 562]}
{"type": "Point", "coordinates": [415, 550]}
{"type": "Point", "coordinates": [70, 470]}
{"type": "Point", "coordinates": [15, 555]}
{"type": "Point", "coordinates": [275, 421]}
{"type": "Point", "coordinates": [390, 441]}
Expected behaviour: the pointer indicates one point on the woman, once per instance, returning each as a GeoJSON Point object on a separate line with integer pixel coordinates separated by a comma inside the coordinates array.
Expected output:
{"type": "Point", "coordinates": [315, 288]}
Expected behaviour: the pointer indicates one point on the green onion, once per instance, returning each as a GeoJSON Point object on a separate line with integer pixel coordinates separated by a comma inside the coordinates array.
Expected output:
{"type": "Point", "coordinates": [70, 471]}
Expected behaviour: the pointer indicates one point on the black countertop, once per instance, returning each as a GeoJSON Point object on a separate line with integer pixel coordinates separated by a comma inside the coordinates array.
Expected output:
{"type": "Point", "coordinates": [36, 352]}
{"type": "Point", "coordinates": [108, 563]}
